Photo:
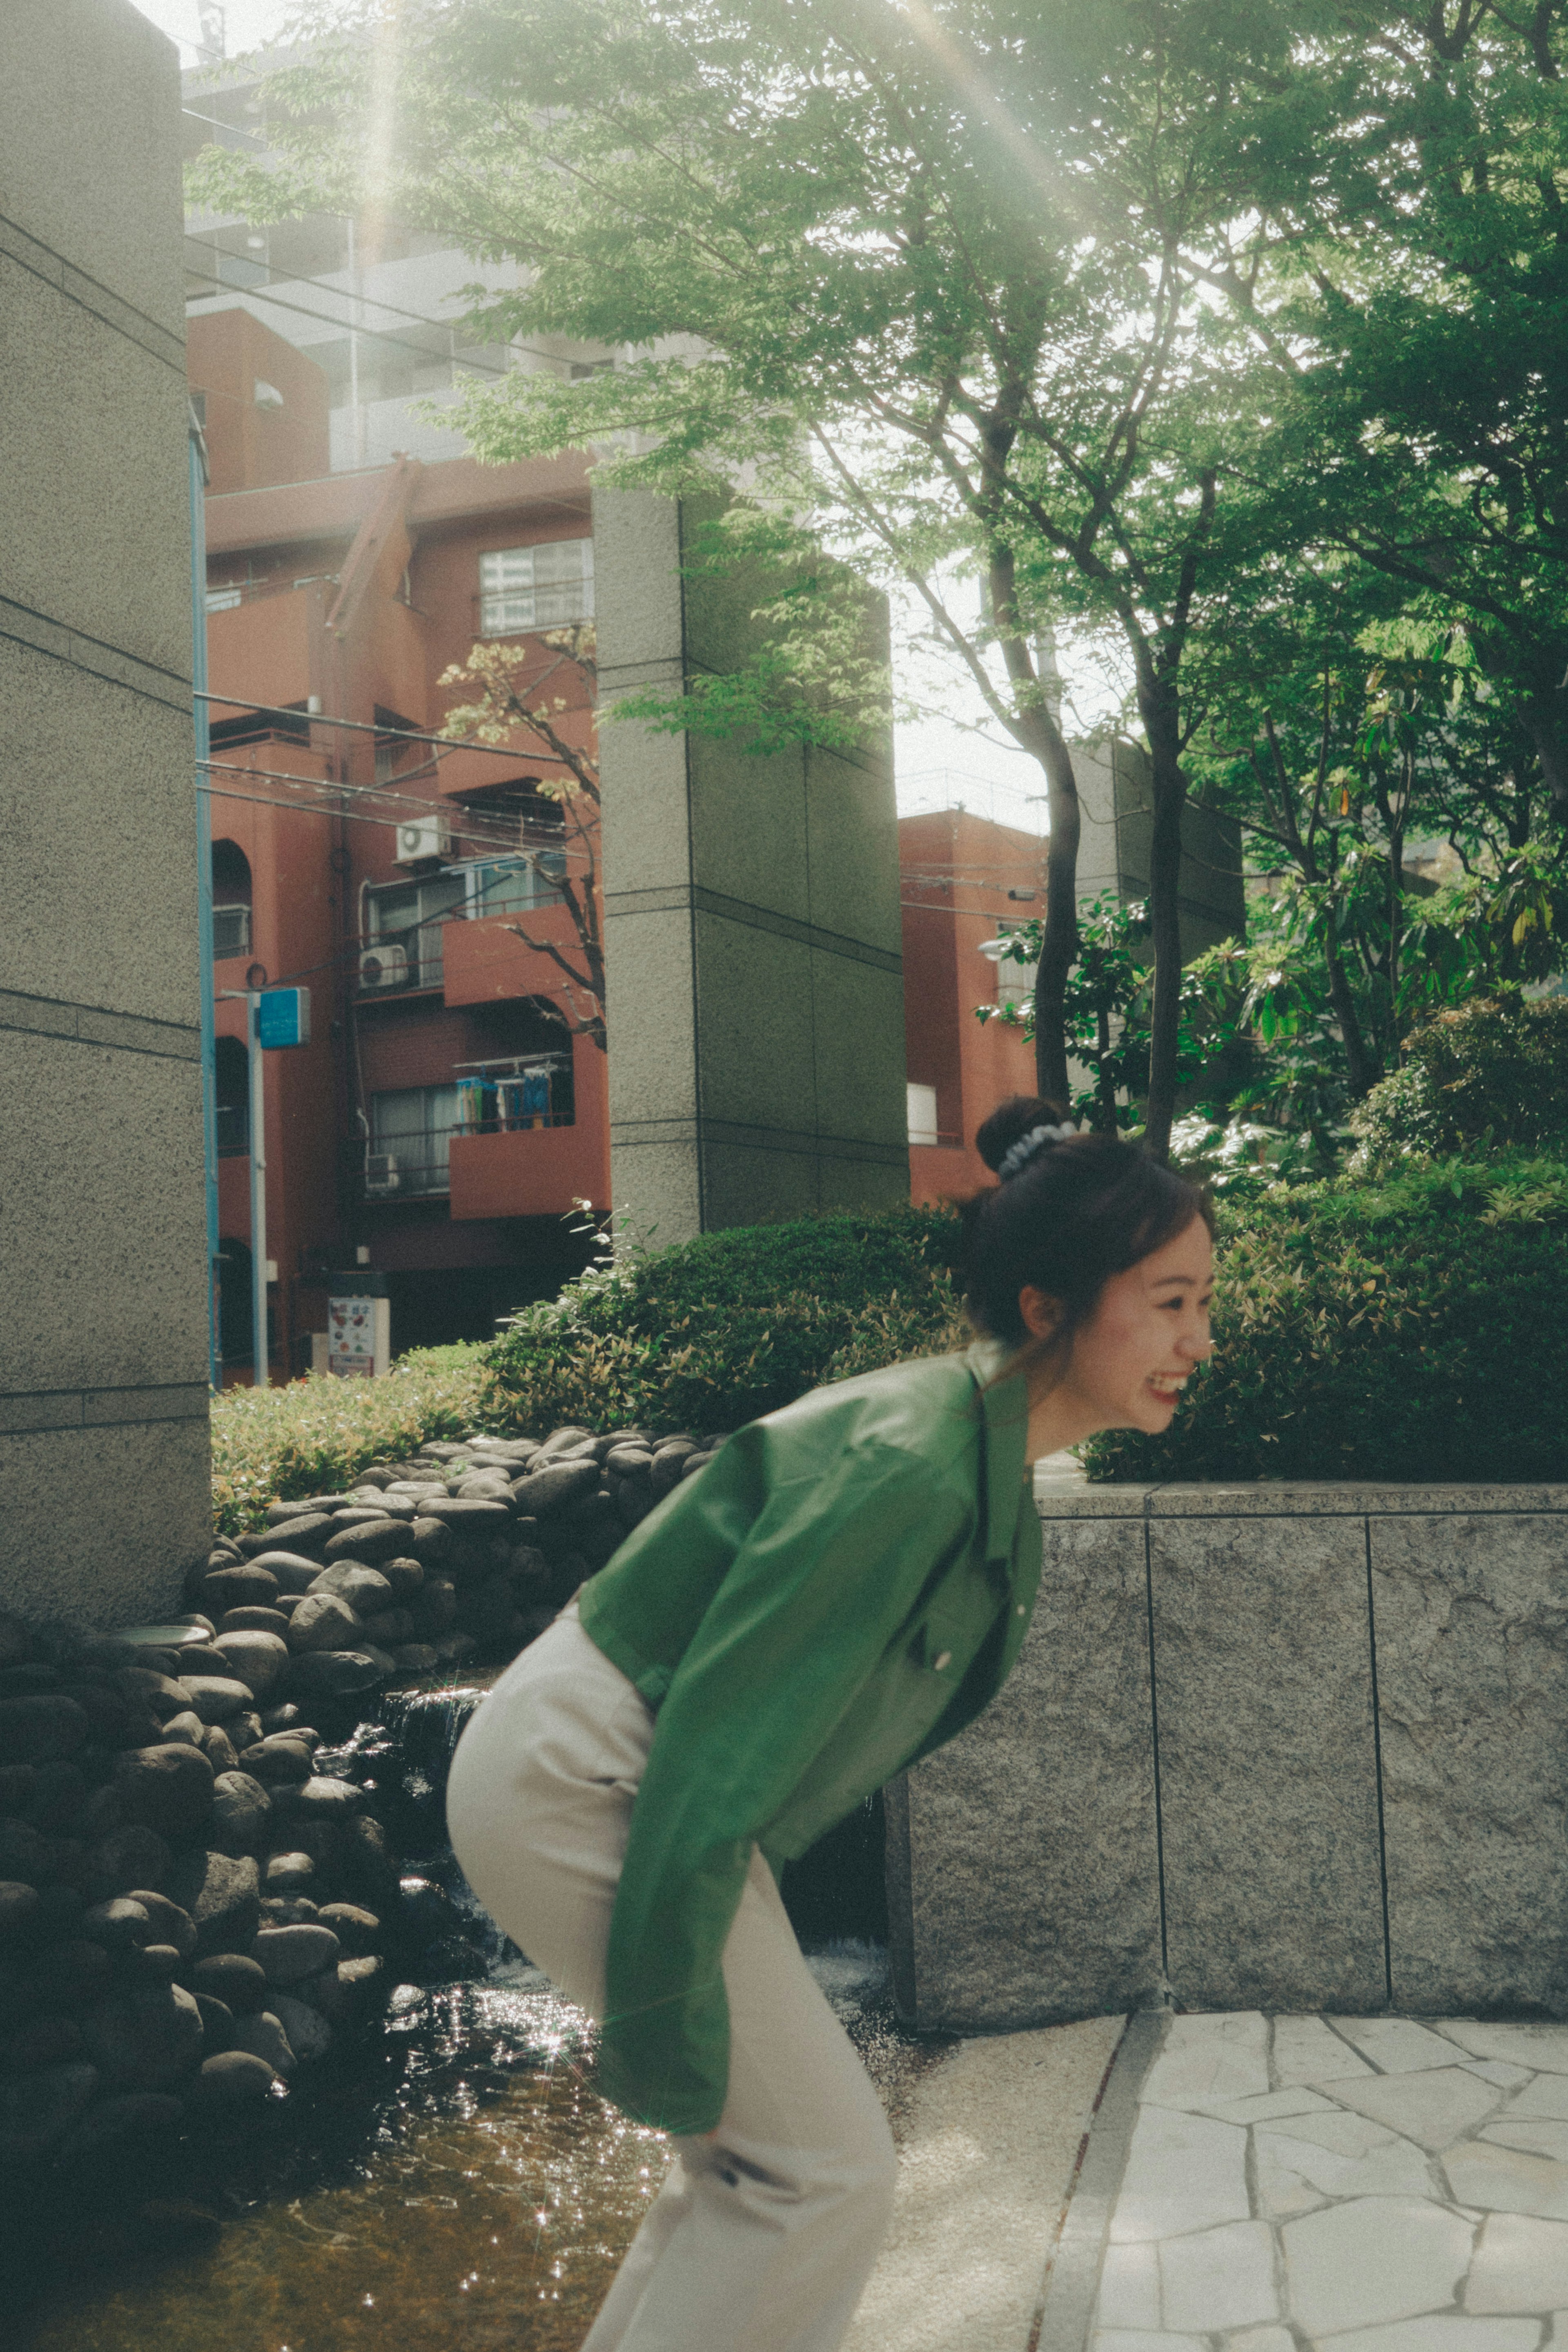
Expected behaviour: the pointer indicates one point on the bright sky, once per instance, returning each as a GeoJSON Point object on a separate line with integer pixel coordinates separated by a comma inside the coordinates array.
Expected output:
{"type": "Point", "coordinates": [938, 763]}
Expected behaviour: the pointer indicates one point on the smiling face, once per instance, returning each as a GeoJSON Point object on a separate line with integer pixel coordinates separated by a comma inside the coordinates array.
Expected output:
{"type": "Point", "coordinates": [1131, 1360]}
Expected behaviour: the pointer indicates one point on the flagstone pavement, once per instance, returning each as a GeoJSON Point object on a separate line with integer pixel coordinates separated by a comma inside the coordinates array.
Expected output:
{"type": "Point", "coordinates": [1357, 2184]}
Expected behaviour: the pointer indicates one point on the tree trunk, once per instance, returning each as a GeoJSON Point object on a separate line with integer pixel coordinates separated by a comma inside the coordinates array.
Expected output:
{"type": "Point", "coordinates": [1546, 727]}
{"type": "Point", "coordinates": [1364, 1072]}
{"type": "Point", "coordinates": [1059, 944]}
{"type": "Point", "coordinates": [1164, 922]}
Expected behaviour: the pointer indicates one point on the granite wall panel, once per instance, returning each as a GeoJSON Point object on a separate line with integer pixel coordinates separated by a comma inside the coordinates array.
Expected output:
{"type": "Point", "coordinates": [1268, 1763]}
{"type": "Point", "coordinates": [1472, 1615]}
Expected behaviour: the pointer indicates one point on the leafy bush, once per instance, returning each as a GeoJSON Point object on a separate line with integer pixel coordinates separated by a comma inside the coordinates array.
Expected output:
{"type": "Point", "coordinates": [1414, 1331]}
{"type": "Point", "coordinates": [316, 1435]}
{"type": "Point", "coordinates": [1490, 1070]}
{"type": "Point", "coordinates": [712, 1333]}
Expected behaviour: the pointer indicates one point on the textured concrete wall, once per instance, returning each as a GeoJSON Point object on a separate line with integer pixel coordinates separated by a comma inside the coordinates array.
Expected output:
{"type": "Point", "coordinates": [1116, 794]}
{"type": "Point", "coordinates": [103, 1406]}
{"type": "Point", "coordinates": [752, 931]}
{"type": "Point", "coordinates": [1289, 1748]}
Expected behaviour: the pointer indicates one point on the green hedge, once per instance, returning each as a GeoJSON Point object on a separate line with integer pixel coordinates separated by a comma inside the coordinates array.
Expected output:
{"type": "Point", "coordinates": [1412, 1330]}
{"type": "Point", "coordinates": [711, 1333]}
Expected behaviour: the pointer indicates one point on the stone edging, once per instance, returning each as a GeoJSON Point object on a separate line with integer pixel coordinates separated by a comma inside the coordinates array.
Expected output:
{"type": "Point", "coordinates": [1071, 2282]}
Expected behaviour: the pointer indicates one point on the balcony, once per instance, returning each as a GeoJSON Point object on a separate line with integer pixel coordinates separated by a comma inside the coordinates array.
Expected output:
{"type": "Point", "coordinates": [415, 1129]}
{"type": "Point", "coordinates": [406, 950]}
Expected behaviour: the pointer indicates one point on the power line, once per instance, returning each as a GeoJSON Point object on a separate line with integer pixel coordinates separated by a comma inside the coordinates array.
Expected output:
{"type": "Point", "coordinates": [507, 845]}
{"type": "Point", "coordinates": [370, 727]}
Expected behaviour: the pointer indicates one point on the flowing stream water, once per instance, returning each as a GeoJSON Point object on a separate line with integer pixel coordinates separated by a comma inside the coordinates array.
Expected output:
{"type": "Point", "coordinates": [449, 2183]}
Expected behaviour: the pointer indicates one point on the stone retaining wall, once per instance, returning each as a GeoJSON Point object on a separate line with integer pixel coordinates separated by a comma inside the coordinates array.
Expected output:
{"type": "Point", "coordinates": [1289, 1748]}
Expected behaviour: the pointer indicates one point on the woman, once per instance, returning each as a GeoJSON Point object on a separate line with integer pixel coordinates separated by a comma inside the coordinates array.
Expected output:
{"type": "Point", "coordinates": [843, 1588]}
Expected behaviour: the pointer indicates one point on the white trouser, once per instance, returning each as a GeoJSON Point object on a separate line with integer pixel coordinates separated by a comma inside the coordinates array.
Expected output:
{"type": "Point", "coordinates": [764, 2234]}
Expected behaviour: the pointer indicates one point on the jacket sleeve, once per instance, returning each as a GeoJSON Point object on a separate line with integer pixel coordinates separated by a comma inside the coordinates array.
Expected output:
{"type": "Point", "coordinates": [821, 1583]}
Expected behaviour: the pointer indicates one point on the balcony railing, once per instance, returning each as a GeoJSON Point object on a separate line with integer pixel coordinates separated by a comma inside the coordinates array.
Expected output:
{"type": "Point", "coordinates": [414, 1165]}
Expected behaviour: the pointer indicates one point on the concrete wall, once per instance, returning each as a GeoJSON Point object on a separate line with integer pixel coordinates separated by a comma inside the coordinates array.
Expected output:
{"type": "Point", "coordinates": [103, 1402]}
{"type": "Point", "coordinates": [1116, 796]}
{"type": "Point", "coordinates": [752, 931]}
{"type": "Point", "coordinates": [1287, 1747]}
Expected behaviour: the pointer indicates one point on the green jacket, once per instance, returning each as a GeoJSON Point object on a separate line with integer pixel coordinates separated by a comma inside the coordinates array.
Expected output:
{"type": "Point", "coordinates": [841, 1589]}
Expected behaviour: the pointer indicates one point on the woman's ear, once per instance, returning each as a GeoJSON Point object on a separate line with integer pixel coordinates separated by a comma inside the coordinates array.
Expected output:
{"type": "Point", "coordinates": [1041, 1313]}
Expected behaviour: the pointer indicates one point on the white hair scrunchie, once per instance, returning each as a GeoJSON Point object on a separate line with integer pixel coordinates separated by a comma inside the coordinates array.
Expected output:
{"type": "Point", "coordinates": [1019, 1157]}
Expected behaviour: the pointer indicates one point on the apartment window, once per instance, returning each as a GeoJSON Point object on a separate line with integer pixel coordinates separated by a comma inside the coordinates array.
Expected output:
{"type": "Point", "coordinates": [1016, 983]}
{"type": "Point", "coordinates": [231, 1073]}
{"type": "Point", "coordinates": [922, 1101]}
{"type": "Point", "coordinates": [536, 587]}
{"type": "Point", "coordinates": [511, 886]}
{"type": "Point", "coordinates": [231, 900]}
{"type": "Point", "coordinates": [403, 946]}
{"type": "Point", "coordinates": [411, 1136]}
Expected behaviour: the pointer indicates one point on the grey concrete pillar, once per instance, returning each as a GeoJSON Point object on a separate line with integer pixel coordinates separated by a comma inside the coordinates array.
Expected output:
{"type": "Point", "coordinates": [752, 929]}
{"type": "Point", "coordinates": [1116, 797]}
{"type": "Point", "coordinates": [104, 1496]}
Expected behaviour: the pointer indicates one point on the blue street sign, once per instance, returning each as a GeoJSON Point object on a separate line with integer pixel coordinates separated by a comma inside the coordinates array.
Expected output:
{"type": "Point", "coordinates": [283, 1016]}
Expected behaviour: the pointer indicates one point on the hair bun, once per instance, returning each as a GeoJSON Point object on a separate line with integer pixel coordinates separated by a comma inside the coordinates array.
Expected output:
{"type": "Point", "coordinates": [1010, 1123]}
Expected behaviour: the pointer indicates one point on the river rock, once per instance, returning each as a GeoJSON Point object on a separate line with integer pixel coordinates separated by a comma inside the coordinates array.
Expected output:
{"type": "Point", "coordinates": [70, 1973]}
{"type": "Point", "coordinates": [486, 1485]}
{"type": "Point", "coordinates": [156, 1962]}
{"type": "Point", "coordinates": [219, 1699]}
{"type": "Point", "coordinates": [232, 2078]}
{"type": "Point", "coordinates": [18, 1909]}
{"type": "Point", "coordinates": [147, 1687]}
{"type": "Point", "coordinates": [133, 1858]}
{"type": "Point", "coordinates": [350, 1991]}
{"type": "Point", "coordinates": [255, 1659]}
{"type": "Point", "coordinates": [304, 1507]}
{"type": "Point", "coordinates": [263, 2034]}
{"type": "Point", "coordinates": [292, 1572]}
{"type": "Point", "coordinates": [405, 1575]}
{"type": "Point", "coordinates": [355, 1927]}
{"type": "Point", "coordinates": [278, 1761]}
{"type": "Point", "coordinates": [430, 1541]}
{"type": "Point", "coordinates": [322, 1621]}
{"type": "Point", "coordinates": [392, 1627]}
{"type": "Point", "coordinates": [415, 1658]}
{"type": "Point", "coordinates": [465, 1517]}
{"type": "Point", "coordinates": [170, 1924]}
{"type": "Point", "coordinates": [242, 1811]}
{"type": "Point", "coordinates": [485, 1610]}
{"type": "Point", "coordinates": [119, 1924]}
{"type": "Point", "coordinates": [35, 1730]}
{"type": "Point", "coordinates": [270, 1620]}
{"type": "Point", "coordinates": [363, 1589]}
{"type": "Point", "coordinates": [292, 1532]}
{"type": "Point", "coordinates": [15, 1642]}
{"type": "Point", "coordinates": [145, 2040]}
{"type": "Point", "coordinates": [289, 1955]}
{"type": "Point", "coordinates": [434, 1610]}
{"type": "Point", "coordinates": [238, 1588]}
{"type": "Point", "coordinates": [168, 1789]}
{"type": "Point", "coordinates": [320, 1799]}
{"type": "Point", "coordinates": [223, 1894]}
{"type": "Point", "coordinates": [369, 1542]}
{"type": "Point", "coordinates": [218, 1747]}
{"type": "Point", "coordinates": [37, 2110]}
{"type": "Point", "coordinates": [309, 2035]}
{"type": "Point", "coordinates": [152, 2116]}
{"type": "Point", "coordinates": [233, 1980]}
{"type": "Point", "coordinates": [543, 1491]}
{"type": "Point", "coordinates": [289, 1874]}
{"type": "Point", "coordinates": [333, 1673]}
{"type": "Point", "coordinates": [17, 1782]}
{"type": "Point", "coordinates": [187, 1727]}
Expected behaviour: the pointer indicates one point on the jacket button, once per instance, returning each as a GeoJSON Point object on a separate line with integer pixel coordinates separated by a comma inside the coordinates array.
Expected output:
{"type": "Point", "coordinates": [943, 1658]}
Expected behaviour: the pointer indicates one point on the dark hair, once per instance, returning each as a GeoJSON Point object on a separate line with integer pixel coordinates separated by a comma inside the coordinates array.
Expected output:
{"type": "Point", "coordinates": [1070, 1212]}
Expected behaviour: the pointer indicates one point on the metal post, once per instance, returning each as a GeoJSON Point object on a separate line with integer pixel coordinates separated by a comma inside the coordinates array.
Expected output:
{"type": "Point", "coordinates": [198, 465]}
{"type": "Point", "coordinates": [257, 1190]}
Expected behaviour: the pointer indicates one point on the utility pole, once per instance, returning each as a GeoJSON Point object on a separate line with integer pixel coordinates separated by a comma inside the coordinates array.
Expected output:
{"type": "Point", "coordinates": [262, 1375]}
{"type": "Point", "coordinates": [198, 481]}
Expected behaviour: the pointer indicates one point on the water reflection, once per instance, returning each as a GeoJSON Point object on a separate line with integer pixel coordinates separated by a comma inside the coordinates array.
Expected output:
{"type": "Point", "coordinates": [477, 2194]}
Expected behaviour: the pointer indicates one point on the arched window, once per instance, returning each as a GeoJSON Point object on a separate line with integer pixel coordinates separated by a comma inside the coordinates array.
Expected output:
{"type": "Point", "coordinates": [233, 1075]}
{"type": "Point", "coordinates": [235, 1322]}
{"type": "Point", "coordinates": [231, 900]}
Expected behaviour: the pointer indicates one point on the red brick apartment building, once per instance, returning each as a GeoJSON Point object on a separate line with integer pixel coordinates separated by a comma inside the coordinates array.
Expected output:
{"type": "Point", "coordinates": [443, 1120]}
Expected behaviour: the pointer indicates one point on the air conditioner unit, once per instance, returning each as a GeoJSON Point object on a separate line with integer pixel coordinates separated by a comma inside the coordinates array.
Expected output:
{"type": "Point", "coordinates": [385, 966]}
{"type": "Point", "coordinates": [381, 1173]}
{"type": "Point", "coordinates": [423, 838]}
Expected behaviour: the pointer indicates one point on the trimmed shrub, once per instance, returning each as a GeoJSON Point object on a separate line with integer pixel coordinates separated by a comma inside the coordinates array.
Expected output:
{"type": "Point", "coordinates": [1489, 1072]}
{"type": "Point", "coordinates": [1414, 1331]}
{"type": "Point", "coordinates": [711, 1333]}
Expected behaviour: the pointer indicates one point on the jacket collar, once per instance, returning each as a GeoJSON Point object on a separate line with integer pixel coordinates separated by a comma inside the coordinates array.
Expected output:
{"type": "Point", "coordinates": [1005, 1403]}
